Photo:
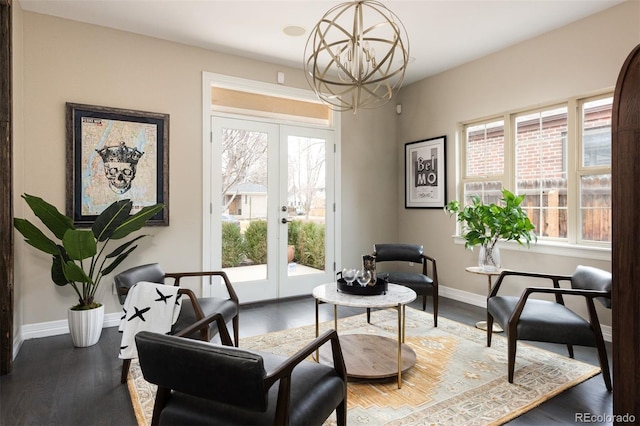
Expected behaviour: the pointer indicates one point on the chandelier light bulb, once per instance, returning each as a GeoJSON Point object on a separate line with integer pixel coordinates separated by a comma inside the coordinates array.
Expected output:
{"type": "Point", "coordinates": [356, 56]}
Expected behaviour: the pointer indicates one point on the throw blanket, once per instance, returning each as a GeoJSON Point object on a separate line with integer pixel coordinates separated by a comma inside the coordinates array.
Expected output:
{"type": "Point", "coordinates": [148, 307]}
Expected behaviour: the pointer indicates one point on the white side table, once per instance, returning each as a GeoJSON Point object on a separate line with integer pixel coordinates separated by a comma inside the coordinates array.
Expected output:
{"type": "Point", "coordinates": [367, 355]}
{"type": "Point", "coordinates": [482, 325]}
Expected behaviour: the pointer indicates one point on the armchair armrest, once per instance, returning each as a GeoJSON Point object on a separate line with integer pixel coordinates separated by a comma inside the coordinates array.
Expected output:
{"type": "Point", "coordinates": [203, 324]}
{"type": "Point", "coordinates": [553, 277]}
{"type": "Point", "coordinates": [177, 276]}
{"type": "Point", "coordinates": [283, 371]}
{"type": "Point", "coordinates": [434, 269]}
{"type": "Point", "coordinates": [559, 292]}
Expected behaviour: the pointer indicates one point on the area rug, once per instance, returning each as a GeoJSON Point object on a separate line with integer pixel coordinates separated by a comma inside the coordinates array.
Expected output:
{"type": "Point", "coordinates": [457, 379]}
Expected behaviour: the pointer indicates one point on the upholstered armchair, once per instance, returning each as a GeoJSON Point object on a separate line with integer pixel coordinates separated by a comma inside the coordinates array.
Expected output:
{"type": "Point", "coordinates": [202, 383]}
{"type": "Point", "coordinates": [193, 308]}
{"type": "Point", "coordinates": [528, 318]}
{"type": "Point", "coordinates": [421, 282]}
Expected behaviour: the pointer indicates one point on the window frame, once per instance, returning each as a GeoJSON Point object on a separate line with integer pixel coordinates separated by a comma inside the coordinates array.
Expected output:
{"type": "Point", "coordinates": [573, 244]}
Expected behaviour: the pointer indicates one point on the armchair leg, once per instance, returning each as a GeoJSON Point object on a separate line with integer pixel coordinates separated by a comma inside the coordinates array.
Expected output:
{"type": "Point", "coordinates": [435, 309]}
{"type": "Point", "coordinates": [125, 370]}
{"type": "Point", "coordinates": [341, 413]}
{"type": "Point", "coordinates": [489, 329]}
{"type": "Point", "coordinates": [368, 315]}
{"type": "Point", "coordinates": [570, 350]}
{"type": "Point", "coordinates": [511, 355]}
{"type": "Point", "coordinates": [236, 331]}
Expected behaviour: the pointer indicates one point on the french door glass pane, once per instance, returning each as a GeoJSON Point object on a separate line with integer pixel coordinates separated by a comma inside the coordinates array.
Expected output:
{"type": "Point", "coordinates": [244, 203]}
{"type": "Point", "coordinates": [306, 204]}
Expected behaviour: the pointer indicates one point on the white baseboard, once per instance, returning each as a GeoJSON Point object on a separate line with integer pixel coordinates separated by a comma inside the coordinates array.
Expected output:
{"type": "Point", "coordinates": [55, 328]}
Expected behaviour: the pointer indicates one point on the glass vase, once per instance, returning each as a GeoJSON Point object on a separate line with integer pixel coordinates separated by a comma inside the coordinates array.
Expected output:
{"type": "Point", "coordinates": [489, 258]}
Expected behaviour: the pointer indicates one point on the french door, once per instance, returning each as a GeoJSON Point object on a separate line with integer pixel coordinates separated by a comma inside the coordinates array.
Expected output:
{"type": "Point", "coordinates": [273, 213]}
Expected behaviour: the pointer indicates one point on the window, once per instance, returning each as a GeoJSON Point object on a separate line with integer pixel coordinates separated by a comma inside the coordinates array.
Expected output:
{"type": "Point", "coordinates": [563, 169]}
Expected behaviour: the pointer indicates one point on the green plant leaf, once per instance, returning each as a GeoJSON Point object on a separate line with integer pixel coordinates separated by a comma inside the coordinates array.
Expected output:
{"type": "Point", "coordinates": [117, 261]}
{"type": "Point", "coordinates": [112, 217]}
{"type": "Point", "coordinates": [33, 236]}
{"type": "Point", "coordinates": [137, 221]}
{"type": "Point", "coordinates": [57, 272]}
{"type": "Point", "coordinates": [488, 223]}
{"type": "Point", "coordinates": [80, 244]}
{"type": "Point", "coordinates": [55, 221]}
{"type": "Point", "coordinates": [123, 247]}
{"type": "Point", "coordinates": [75, 273]}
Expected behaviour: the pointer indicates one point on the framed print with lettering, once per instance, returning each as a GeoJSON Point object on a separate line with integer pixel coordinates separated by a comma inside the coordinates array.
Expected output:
{"type": "Point", "coordinates": [425, 174]}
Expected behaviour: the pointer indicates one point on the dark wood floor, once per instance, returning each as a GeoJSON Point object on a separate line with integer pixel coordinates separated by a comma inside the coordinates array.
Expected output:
{"type": "Point", "coordinates": [53, 383]}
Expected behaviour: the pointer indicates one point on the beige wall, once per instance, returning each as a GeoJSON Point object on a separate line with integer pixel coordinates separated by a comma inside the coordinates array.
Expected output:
{"type": "Point", "coordinates": [579, 59]}
{"type": "Point", "coordinates": [65, 61]}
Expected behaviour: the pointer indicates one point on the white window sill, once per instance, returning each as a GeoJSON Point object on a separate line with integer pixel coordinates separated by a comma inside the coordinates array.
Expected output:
{"type": "Point", "coordinates": [554, 248]}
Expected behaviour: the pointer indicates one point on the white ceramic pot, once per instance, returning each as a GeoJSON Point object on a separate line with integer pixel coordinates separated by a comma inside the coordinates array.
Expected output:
{"type": "Point", "coordinates": [86, 326]}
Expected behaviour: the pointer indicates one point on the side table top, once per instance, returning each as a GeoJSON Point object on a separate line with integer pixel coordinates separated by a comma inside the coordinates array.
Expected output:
{"type": "Point", "coordinates": [479, 270]}
{"type": "Point", "coordinates": [396, 294]}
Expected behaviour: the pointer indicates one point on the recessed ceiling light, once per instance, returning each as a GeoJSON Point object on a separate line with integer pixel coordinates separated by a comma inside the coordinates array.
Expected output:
{"type": "Point", "coordinates": [293, 30]}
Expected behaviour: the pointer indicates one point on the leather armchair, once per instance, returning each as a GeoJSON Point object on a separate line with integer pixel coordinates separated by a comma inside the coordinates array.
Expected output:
{"type": "Point", "coordinates": [201, 383]}
{"type": "Point", "coordinates": [193, 309]}
{"type": "Point", "coordinates": [422, 283]}
{"type": "Point", "coordinates": [528, 318]}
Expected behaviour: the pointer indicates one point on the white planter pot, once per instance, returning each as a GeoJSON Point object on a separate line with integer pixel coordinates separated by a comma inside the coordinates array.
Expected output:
{"type": "Point", "coordinates": [86, 326]}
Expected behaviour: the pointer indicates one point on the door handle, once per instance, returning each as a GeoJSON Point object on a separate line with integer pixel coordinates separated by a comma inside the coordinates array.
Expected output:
{"type": "Point", "coordinates": [285, 220]}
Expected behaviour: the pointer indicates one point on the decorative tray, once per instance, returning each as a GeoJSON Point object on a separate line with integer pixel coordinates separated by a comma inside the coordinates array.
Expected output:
{"type": "Point", "coordinates": [380, 287]}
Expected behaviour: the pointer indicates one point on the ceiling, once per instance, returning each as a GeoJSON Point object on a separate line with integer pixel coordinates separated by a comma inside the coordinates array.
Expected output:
{"type": "Point", "coordinates": [442, 33]}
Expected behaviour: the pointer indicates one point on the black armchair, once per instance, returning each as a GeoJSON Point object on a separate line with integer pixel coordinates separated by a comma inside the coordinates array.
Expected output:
{"type": "Point", "coordinates": [201, 383]}
{"type": "Point", "coordinates": [192, 310]}
{"type": "Point", "coordinates": [527, 318]}
{"type": "Point", "coordinates": [422, 283]}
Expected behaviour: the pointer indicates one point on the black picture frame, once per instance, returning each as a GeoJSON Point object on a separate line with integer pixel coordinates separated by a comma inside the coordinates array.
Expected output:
{"type": "Point", "coordinates": [425, 163]}
{"type": "Point", "coordinates": [114, 154]}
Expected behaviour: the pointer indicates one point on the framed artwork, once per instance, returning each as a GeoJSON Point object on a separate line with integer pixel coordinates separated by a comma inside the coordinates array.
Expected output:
{"type": "Point", "coordinates": [425, 173]}
{"type": "Point", "coordinates": [115, 154]}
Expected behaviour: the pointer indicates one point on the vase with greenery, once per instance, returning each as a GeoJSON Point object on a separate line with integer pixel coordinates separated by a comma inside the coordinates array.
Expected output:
{"type": "Point", "coordinates": [485, 224]}
{"type": "Point", "coordinates": [80, 256]}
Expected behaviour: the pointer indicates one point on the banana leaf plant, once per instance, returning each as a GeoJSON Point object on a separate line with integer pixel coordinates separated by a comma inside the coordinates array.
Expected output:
{"type": "Point", "coordinates": [80, 256]}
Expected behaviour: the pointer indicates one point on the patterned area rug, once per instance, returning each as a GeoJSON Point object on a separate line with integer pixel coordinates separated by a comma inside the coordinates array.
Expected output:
{"type": "Point", "coordinates": [457, 379]}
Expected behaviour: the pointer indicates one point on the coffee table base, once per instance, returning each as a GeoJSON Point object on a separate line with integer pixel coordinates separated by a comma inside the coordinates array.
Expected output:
{"type": "Point", "coordinates": [367, 356]}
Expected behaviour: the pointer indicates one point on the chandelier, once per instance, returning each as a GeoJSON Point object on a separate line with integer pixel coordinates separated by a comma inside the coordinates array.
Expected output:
{"type": "Point", "coordinates": [356, 56]}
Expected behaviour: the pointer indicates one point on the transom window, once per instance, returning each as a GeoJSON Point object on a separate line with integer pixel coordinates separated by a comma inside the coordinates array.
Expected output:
{"type": "Point", "coordinates": [564, 169]}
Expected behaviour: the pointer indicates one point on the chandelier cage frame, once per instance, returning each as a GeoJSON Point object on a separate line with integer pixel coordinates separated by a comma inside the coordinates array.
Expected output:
{"type": "Point", "coordinates": [340, 59]}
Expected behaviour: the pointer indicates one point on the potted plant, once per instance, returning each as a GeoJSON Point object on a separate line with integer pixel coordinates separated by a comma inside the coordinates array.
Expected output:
{"type": "Point", "coordinates": [80, 256]}
{"type": "Point", "coordinates": [486, 224]}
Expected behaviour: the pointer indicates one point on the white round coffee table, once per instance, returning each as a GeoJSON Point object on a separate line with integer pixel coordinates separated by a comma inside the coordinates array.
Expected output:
{"type": "Point", "coordinates": [368, 356]}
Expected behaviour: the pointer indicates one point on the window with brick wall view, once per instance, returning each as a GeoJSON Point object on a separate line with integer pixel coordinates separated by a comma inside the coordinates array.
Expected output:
{"type": "Point", "coordinates": [541, 143]}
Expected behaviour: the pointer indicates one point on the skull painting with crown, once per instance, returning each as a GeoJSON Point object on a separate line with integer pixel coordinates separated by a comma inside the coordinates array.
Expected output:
{"type": "Point", "coordinates": [120, 163]}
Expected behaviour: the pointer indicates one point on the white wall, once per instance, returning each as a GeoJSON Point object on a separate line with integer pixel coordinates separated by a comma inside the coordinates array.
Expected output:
{"type": "Point", "coordinates": [579, 59]}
